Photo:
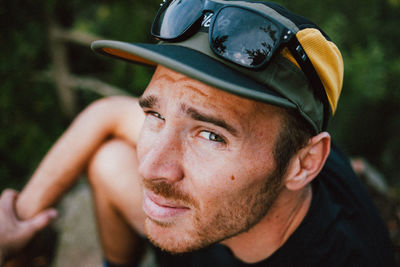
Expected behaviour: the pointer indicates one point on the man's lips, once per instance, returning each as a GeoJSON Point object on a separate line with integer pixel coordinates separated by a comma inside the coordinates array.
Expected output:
{"type": "Point", "coordinates": [161, 209]}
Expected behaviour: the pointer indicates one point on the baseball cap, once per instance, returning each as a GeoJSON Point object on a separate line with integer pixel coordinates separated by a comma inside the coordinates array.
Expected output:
{"type": "Point", "coordinates": [282, 81]}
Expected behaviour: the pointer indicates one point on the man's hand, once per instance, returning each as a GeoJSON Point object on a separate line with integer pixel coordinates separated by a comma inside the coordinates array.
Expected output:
{"type": "Point", "coordinates": [14, 233]}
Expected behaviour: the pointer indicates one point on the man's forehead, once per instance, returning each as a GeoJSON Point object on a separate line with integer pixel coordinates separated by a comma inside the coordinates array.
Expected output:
{"type": "Point", "coordinates": [164, 76]}
{"type": "Point", "coordinates": [196, 91]}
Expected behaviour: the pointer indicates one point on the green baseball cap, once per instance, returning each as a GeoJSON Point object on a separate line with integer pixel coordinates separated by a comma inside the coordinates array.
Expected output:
{"type": "Point", "coordinates": [281, 82]}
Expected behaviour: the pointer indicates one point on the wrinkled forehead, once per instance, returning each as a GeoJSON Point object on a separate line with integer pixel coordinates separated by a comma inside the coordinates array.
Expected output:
{"type": "Point", "coordinates": [168, 83]}
{"type": "Point", "coordinates": [177, 89]}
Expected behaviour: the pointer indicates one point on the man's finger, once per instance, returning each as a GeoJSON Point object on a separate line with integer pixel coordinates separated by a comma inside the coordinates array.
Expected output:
{"type": "Point", "coordinates": [8, 198]}
{"type": "Point", "coordinates": [9, 194]}
{"type": "Point", "coordinates": [39, 222]}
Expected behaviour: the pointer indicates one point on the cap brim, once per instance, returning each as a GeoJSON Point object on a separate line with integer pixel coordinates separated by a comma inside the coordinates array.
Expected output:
{"type": "Point", "coordinates": [193, 64]}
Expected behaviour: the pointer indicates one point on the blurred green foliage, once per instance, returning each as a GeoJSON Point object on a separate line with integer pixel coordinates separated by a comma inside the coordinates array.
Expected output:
{"type": "Point", "coordinates": [366, 124]}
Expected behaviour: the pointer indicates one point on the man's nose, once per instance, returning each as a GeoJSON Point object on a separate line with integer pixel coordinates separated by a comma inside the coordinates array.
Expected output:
{"type": "Point", "coordinates": [162, 159]}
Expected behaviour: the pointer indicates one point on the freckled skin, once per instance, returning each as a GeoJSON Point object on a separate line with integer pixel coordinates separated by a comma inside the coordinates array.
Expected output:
{"type": "Point", "coordinates": [176, 149]}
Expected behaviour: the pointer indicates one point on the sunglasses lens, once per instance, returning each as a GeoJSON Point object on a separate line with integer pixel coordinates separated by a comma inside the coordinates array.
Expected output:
{"type": "Point", "coordinates": [244, 37]}
{"type": "Point", "coordinates": [175, 17]}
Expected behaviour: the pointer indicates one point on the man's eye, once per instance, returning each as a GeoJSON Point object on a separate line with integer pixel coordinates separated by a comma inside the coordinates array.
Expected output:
{"type": "Point", "coordinates": [155, 114]}
{"type": "Point", "coordinates": [212, 136]}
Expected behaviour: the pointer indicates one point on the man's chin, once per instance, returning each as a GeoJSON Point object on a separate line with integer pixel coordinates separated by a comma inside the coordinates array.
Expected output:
{"type": "Point", "coordinates": [171, 238]}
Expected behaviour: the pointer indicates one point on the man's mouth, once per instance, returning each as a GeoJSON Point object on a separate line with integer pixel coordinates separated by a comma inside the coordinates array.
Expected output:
{"type": "Point", "coordinates": [161, 209]}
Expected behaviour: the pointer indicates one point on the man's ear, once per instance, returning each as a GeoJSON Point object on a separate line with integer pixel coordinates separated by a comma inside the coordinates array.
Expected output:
{"type": "Point", "coordinates": [308, 162]}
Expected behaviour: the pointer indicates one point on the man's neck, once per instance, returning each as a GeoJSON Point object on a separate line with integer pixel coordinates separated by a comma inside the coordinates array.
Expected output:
{"type": "Point", "coordinates": [263, 239]}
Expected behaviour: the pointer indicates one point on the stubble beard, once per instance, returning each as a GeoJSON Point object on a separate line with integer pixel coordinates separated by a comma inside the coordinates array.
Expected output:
{"type": "Point", "coordinates": [236, 214]}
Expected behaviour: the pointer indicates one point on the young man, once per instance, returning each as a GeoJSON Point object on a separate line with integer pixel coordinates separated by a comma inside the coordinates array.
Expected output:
{"type": "Point", "coordinates": [233, 165]}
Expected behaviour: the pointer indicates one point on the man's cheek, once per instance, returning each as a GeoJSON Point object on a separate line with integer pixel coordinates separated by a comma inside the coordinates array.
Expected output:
{"type": "Point", "coordinates": [144, 142]}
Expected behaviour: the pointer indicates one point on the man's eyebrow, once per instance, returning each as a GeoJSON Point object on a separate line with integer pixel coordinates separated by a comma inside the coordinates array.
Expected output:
{"type": "Point", "coordinates": [197, 115]}
{"type": "Point", "coordinates": [148, 101]}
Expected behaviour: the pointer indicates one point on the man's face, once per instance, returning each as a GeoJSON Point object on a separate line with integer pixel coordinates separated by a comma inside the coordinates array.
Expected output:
{"type": "Point", "coordinates": [206, 158]}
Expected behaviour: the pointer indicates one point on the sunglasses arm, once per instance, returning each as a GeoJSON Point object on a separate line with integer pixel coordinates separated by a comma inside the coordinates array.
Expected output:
{"type": "Point", "coordinates": [307, 67]}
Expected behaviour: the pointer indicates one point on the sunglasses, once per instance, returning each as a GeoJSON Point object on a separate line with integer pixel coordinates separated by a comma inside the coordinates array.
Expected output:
{"type": "Point", "coordinates": [240, 35]}
{"type": "Point", "coordinates": [237, 34]}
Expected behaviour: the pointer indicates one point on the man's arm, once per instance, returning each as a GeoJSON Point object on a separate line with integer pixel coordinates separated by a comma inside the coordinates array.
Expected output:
{"type": "Point", "coordinates": [58, 171]}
